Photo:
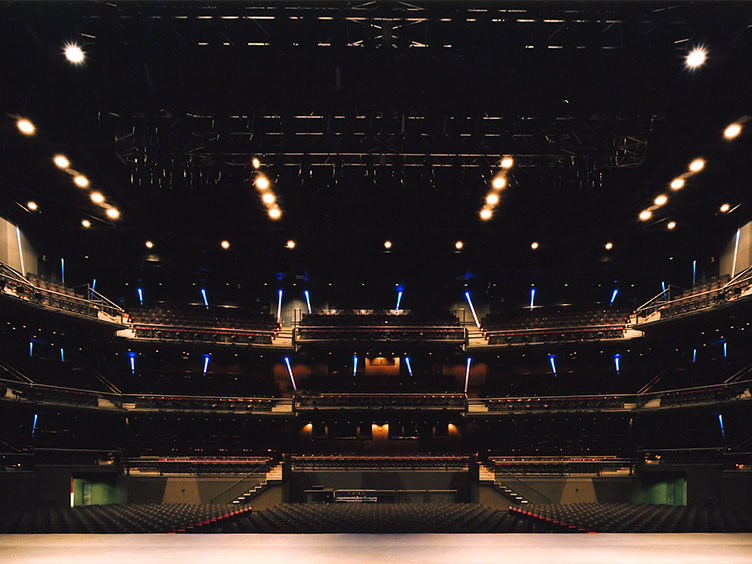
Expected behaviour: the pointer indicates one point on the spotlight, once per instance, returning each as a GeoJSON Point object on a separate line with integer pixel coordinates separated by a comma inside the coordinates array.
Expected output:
{"type": "Point", "coordinates": [74, 54]}
{"type": "Point", "coordinates": [25, 127]}
{"type": "Point", "coordinates": [725, 208]}
{"type": "Point", "coordinates": [671, 225]}
{"type": "Point", "coordinates": [499, 182]}
{"type": "Point", "coordinates": [492, 199]}
{"type": "Point", "coordinates": [81, 181]}
{"type": "Point", "coordinates": [97, 197]}
{"type": "Point", "coordinates": [485, 214]}
{"type": "Point", "coordinates": [645, 215]}
{"type": "Point", "coordinates": [291, 244]}
{"type": "Point", "coordinates": [255, 162]}
{"type": "Point", "coordinates": [225, 245]}
{"type": "Point", "coordinates": [86, 223]}
{"type": "Point", "coordinates": [696, 57]}
{"type": "Point", "coordinates": [262, 182]}
{"type": "Point", "coordinates": [61, 162]}
{"type": "Point", "coordinates": [677, 184]}
{"type": "Point", "coordinates": [660, 200]}
{"type": "Point", "coordinates": [507, 162]}
{"type": "Point", "coordinates": [732, 131]}
{"type": "Point", "coordinates": [458, 245]}
{"type": "Point", "coordinates": [696, 165]}
{"type": "Point", "coordinates": [275, 213]}
{"type": "Point", "coordinates": [113, 213]}
{"type": "Point", "coordinates": [609, 246]}
{"type": "Point", "coordinates": [534, 245]}
{"type": "Point", "coordinates": [32, 206]}
{"type": "Point", "coordinates": [268, 198]}
{"type": "Point", "coordinates": [149, 245]}
{"type": "Point", "coordinates": [387, 244]}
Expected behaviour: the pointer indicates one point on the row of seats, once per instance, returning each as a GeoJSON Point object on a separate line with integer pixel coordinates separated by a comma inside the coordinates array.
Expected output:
{"type": "Point", "coordinates": [182, 334]}
{"type": "Point", "coordinates": [386, 333]}
{"type": "Point", "coordinates": [379, 518]}
{"type": "Point", "coordinates": [201, 316]}
{"type": "Point", "coordinates": [199, 465]}
{"type": "Point", "coordinates": [351, 462]}
{"type": "Point", "coordinates": [433, 401]}
{"type": "Point", "coordinates": [372, 319]}
{"type": "Point", "coordinates": [115, 518]}
{"type": "Point", "coordinates": [558, 465]}
{"type": "Point", "coordinates": [643, 518]}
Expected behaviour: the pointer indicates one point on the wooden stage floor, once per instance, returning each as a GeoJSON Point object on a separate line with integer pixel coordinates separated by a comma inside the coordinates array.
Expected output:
{"type": "Point", "coordinates": [372, 549]}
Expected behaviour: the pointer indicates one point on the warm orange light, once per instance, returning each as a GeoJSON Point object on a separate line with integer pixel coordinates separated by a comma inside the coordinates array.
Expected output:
{"type": "Point", "coordinates": [25, 127]}
{"type": "Point", "coordinates": [660, 200]}
{"type": "Point", "coordinates": [255, 162]}
{"type": "Point", "coordinates": [492, 199]}
{"type": "Point", "coordinates": [671, 224]}
{"type": "Point", "coordinates": [609, 246]}
{"type": "Point", "coordinates": [291, 244]}
{"type": "Point", "coordinates": [697, 165]}
{"type": "Point", "coordinates": [677, 183]}
{"type": "Point", "coordinates": [81, 181]}
{"type": "Point", "coordinates": [485, 214]}
{"type": "Point", "coordinates": [275, 213]}
{"type": "Point", "coordinates": [458, 245]}
{"type": "Point", "coordinates": [225, 245]}
{"type": "Point", "coordinates": [262, 182]}
{"type": "Point", "coordinates": [61, 161]}
{"type": "Point", "coordinates": [507, 162]}
{"type": "Point", "coordinates": [32, 206]}
{"type": "Point", "coordinates": [268, 198]}
{"type": "Point", "coordinates": [534, 245]}
{"type": "Point", "coordinates": [499, 182]}
{"type": "Point", "coordinates": [696, 57]}
{"type": "Point", "coordinates": [97, 197]}
{"type": "Point", "coordinates": [645, 215]}
{"type": "Point", "coordinates": [387, 244]}
{"type": "Point", "coordinates": [732, 131]}
{"type": "Point", "coordinates": [725, 208]}
{"type": "Point", "coordinates": [113, 213]}
{"type": "Point", "coordinates": [86, 223]}
{"type": "Point", "coordinates": [149, 245]}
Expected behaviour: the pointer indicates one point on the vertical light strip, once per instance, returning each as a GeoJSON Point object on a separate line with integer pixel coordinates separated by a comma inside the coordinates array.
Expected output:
{"type": "Point", "coordinates": [409, 368]}
{"type": "Point", "coordinates": [34, 424]}
{"type": "Point", "coordinates": [613, 295]}
{"type": "Point", "coordinates": [206, 363]}
{"type": "Point", "coordinates": [736, 251]}
{"type": "Point", "coordinates": [289, 371]}
{"type": "Point", "coordinates": [279, 306]}
{"type": "Point", "coordinates": [140, 296]}
{"type": "Point", "coordinates": [399, 299]}
{"type": "Point", "coordinates": [472, 309]}
{"type": "Point", "coordinates": [552, 360]}
{"type": "Point", "coordinates": [20, 251]}
{"type": "Point", "coordinates": [532, 298]}
{"type": "Point", "coordinates": [694, 355]}
{"type": "Point", "coordinates": [31, 348]}
{"type": "Point", "coordinates": [307, 300]}
{"type": "Point", "coordinates": [720, 422]}
{"type": "Point", "coordinates": [694, 272]}
{"type": "Point", "coordinates": [203, 295]}
{"type": "Point", "coordinates": [62, 355]}
{"type": "Point", "coordinates": [62, 270]}
{"type": "Point", "coordinates": [355, 364]}
{"type": "Point", "coordinates": [617, 357]}
{"type": "Point", "coordinates": [467, 372]}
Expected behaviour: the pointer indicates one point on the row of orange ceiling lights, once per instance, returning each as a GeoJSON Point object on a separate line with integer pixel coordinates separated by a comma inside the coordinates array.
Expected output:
{"type": "Point", "coordinates": [497, 185]}
{"type": "Point", "coordinates": [61, 161]}
{"type": "Point", "coordinates": [731, 132]}
{"type": "Point", "coordinates": [267, 196]}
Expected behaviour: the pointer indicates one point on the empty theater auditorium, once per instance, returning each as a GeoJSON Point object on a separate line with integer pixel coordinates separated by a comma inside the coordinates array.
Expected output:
{"type": "Point", "coordinates": [376, 281]}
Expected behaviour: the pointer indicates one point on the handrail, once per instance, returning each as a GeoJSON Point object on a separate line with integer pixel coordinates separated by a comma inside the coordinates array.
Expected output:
{"type": "Point", "coordinates": [738, 374]}
{"type": "Point", "coordinates": [262, 470]}
{"type": "Point", "coordinates": [524, 484]}
{"type": "Point", "coordinates": [657, 378]}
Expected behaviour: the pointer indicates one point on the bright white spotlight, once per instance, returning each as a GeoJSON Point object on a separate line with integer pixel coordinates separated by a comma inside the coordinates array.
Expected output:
{"type": "Point", "coordinates": [671, 225]}
{"type": "Point", "coordinates": [507, 162]}
{"type": "Point", "coordinates": [268, 198]}
{"type": "Point", "coordinates": [255, 162]}
{"type": "Point", "coordinates": [275, 213]}
{"type": "Point", "coordinates": [86, 223]}
{"type": "Point", "coordinates": [458, 245]}
{"type": "Point", "coordinates": [645, 215]}
{"type": "Point", "coordinates": [609, 246]}
{"type": "Point", "coordinates": [25, 127]}
{"type": "Point", "coordinates": [696, 165]}
{"type": "Point", "coordinates": [485, 214]}
{"type": "Point", "coordinates": [97, 197]}
{"type": "Point", "coordinates": [74, 54]}
{"type": "Point", "coordinates": [387, 244]}
{"type": "Point", "coordinates": [61, 161]}
{"type": "Point", "coordinates": [534, 245]}
{"type": "Point", "coordinates": [725, 208]}
{"type": "Point", "coordinates": [290, 244]}
{"type": "Point", "coordinates": [262, 182]}
{"type": "Point", "coordinates": [732, 131]}
{"type": "Point", "coordinates": [32, 206]}
{"type": "Point", "coordinates": [660, 200]}
{"type": "Point", "coordinates": [149, 245]}
{"type": "Point", "coordinates": [113, 213]}
{"type": "Point", "coordinates": [677, 183]}
{"type": "Point", "coordinates": [492, 199]}
{"type": "Point", "coordinates": [225, 245]}
{"type": "Point", "coordinates": [696, 57]}
{"type": "Point", "coordinates": [81, 181]}
{"type": "Point", "coordinates": [499, 182]}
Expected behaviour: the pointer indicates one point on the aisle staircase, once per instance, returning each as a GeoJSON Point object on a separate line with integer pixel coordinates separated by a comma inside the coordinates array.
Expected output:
{"type": "Point", "coordinates": [273, 475]}
{"type": "Point", "coordinates": [486, 474]}
{"type": "Point", "coordinates": [283, 338]}
{"type": "Point", "coordinates": [475, 337]}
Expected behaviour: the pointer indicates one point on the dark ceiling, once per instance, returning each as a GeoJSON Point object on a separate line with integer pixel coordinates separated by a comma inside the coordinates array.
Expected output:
{"type": "Point", "coordinates": [377, 121]}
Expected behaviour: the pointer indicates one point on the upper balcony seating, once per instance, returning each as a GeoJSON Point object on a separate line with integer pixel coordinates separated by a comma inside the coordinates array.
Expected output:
{"type": "Point", "coordinates": [701, 296]}
{"type": "Point", "coordinates": [201, 323]}
{"type": "Point", "coordinates": [554, 325]}
{"type": "Point", "coordinates": [372, 326]}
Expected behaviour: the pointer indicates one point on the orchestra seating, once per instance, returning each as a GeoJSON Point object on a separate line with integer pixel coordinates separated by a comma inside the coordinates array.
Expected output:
{"type": "Point", "coordinates": [379, 518]}
{"type": "Point", "coordinates": [114, 518]}
{"type": "Point", "coordinates": [554, 325]}
{"type": "Point", "coordinates": [375, 327]}
{"type": "Point", "coordinates": [197, 323]}
{"type": "Point", "coordinates": [640, 518]}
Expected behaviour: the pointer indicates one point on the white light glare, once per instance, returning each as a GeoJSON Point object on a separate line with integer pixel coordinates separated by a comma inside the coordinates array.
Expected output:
{"type": "Point", "coordinates": [81, 181]}
{"type": "Point", "coordinates": [25, 127]}
{"type": "Point", "coordinates": [697, 165]}
{"type": "Point", "coordinates": [725, 208]}
{"type": "Point", "coordinates": [660, 200]}
{"type": "Point", "coordinates": [61, 161]}
{"type": "Point", "coordinates": [74, 54]}
{"type": "Point", "coordinates": [645, 215]}
{"type": "Point", "coordinates": [499, 182]}
{"type": "Point", "coordinates": [485, 214]}
{"type": "Point", "coordinates": [507, 162]}
{"type": "Point", "coordinates": [696, 57]}
{"type": "Point", "coordinates": [113, 213]}
{"type": "Point", "coordinates": [732, 131]}
{"type": "Point", "coordinates": [262, 182]}
{"type": "Point", "coordinates": [677, 183]}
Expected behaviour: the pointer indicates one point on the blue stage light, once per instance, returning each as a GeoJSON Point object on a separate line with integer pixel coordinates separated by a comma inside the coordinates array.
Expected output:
{"type": "Point", "coordinates": [694, 355]}
{"type": "Point", "coordinates": [140, 296]}
{"type": "Point", "coordinates": [206, 363]}
{"type": "Point", "coordinates": [467, 372]}
{"type": "Point", "coordinates": [132, 358]}
{"type": "Point", "coordinates": [725, 349]}
{"type": "Point", "coordinates": [399, 299]}
{"type": "Point", "coordinates": [203, 295]}
{"type": "Point", "coordinates": [62, 355]}
{"type": "Point", "coordinates": [409, 368]}
{"type": "Point", "coordinates": [62, 270]}
{"type": "Point", "coordinates": [532, 298]}
{"type": "Point", "coordinates": [34, 424]}
{"type": "Point", "coordinates": [289, 371]}
{"type": "Point", "coordinates": [720, 422]}
{"type": "Point", "coordinates": [617, 358]}
{"type": "Point", "coordinates": [613, 295]}
{"type": "Point", "coordinates": [279, 305]}
{"type": "Point", "coordinates": [355, 364]}
{"type": "Point", "coordinates": [308, 300]}
{"type": "Point", "coordinates": [31, 348]}
{"type": "Point", "coordinates": [551, 359]}
{"type": "Point", "coordinates": [472, 309]}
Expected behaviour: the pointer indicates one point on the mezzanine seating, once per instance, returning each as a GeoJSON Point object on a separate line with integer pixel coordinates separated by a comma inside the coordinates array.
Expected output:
{"type": "Point", "coordinates": [436, 401]}
{"type": "Point", "coordinates": [446, 462]}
